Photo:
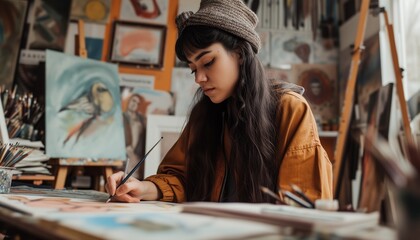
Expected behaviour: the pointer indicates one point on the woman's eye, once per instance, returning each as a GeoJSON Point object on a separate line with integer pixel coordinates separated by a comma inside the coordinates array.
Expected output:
{"type": "Point", "coordinates": [193, 71]}
{"type": "Point", "coordinates": [209, 63]}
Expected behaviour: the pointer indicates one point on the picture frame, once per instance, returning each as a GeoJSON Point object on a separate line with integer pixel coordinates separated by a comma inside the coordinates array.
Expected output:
{"type": "Point", "coordinates": [150, 12]}
{"type": "Point", "coordinates": [138, 44]}
{"type": "Point", "coordinates": [168, 127]}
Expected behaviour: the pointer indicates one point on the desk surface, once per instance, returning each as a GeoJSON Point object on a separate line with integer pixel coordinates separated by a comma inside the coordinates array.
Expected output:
{"type": "Point", "coordinates": [51, 214]}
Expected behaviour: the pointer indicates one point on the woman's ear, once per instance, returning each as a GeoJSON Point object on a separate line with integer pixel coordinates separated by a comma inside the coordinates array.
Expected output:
{"type": "Point", "coordinates": [240, 57]}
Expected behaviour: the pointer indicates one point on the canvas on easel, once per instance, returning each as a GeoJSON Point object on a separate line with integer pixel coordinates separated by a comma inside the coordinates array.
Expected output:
{"type": "Point", "coordinates": [83, 108]}
{"type": "Point", "coordinates": [372, 187]}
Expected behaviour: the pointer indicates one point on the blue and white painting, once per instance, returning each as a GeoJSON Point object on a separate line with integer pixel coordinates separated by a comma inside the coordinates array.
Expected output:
{"type": "Point", "coordinates": [83, 108]}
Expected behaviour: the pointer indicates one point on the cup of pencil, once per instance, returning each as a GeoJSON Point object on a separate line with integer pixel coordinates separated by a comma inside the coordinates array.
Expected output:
{"type": "Point", "coordinates": [6, 174]}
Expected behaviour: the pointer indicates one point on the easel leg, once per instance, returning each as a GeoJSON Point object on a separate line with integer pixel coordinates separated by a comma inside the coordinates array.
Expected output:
{"type": "Point", "coordinates": [61, 176]}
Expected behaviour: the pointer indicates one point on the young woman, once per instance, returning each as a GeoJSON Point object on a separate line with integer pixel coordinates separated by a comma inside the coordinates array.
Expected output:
{"type": "Point", "coordinates": [244, 132]}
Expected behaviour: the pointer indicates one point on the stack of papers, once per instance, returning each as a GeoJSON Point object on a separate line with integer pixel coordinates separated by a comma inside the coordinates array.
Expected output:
{"type": "Point", "coordinates": [35, 162]}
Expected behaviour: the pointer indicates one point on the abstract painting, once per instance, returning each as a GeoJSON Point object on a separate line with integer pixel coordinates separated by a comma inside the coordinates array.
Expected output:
{"type": "Point", "coordinates": [290, 48]}
{"type": "Point", "coordinates": [94, 38]}
{"type": "Point", "coordinates": [91, 10]}
{"type": "Point", "coordinates": [12, 16]}
{"type": "Point", "coordinates": [83, 108]}
{"type": "Point", "coordinates": [145, 11]}
{"type": "Point", "coordinates": [138, 44]}
{"type": "Point", "coordinates": [48, 24]}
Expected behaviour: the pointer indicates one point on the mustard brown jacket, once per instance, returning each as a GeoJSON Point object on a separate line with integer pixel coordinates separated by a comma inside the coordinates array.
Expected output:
{"type": "Point", "coordinates": [304, 161]}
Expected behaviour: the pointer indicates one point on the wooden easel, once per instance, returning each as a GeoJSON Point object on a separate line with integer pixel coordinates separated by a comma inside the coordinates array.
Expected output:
{"type": "Point", "coordinates": [63, 165]}
{"type": "Point", "coordinates": [346, 114]}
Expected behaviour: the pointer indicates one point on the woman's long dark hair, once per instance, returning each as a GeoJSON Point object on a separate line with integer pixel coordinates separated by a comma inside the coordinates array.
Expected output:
{"type": "Point", "coordinates": [249, 116]}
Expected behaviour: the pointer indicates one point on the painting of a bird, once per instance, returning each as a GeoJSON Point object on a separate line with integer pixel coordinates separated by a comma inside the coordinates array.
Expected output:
{"type": "Point", "coordinates": [95, 102]}
{"type": "Point", "coordinates": [83, 116]}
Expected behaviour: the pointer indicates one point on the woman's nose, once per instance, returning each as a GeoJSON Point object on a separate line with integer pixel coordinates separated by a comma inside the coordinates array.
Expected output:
{"type": "Point", "coordinates": [200, 76]}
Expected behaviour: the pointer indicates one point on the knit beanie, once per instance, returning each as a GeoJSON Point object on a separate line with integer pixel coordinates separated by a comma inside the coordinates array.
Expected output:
{"type": "Point", "coordinates": [232, 16]}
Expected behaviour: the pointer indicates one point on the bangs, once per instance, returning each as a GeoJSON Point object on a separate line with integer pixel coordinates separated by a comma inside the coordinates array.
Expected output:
{"type": "Point", "coordinates": [194, 38]}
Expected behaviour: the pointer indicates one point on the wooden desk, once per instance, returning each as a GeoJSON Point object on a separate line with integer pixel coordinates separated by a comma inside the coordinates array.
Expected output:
{"type": "Point", "coordinates": [23, 217]}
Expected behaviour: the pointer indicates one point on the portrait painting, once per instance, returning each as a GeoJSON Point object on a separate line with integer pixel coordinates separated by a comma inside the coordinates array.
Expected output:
{"type": "Point", "coordinates": [320, 83]}
{"type": "Point", "coordinates": [12, 18]}
{"type": "Point", "coordinates": [145, 11]}
{"type": "Point", "coordinates": [91, 10]}
{"type": "Point", "coordinates": [48, 24]}
{"type": "Point", "coordinates": [138, 44]}
{"type": "Point", "coordinates": [137, 105]}
{"type": "Point", "coordinates": [83, 108]}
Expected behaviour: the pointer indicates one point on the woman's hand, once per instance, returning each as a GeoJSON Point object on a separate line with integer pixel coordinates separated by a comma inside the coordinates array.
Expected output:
{"type": "Point", "coordinates": [132, 190]}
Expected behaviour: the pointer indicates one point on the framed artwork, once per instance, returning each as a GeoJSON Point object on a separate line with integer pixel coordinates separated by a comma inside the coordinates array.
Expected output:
{"type": "Point", "coordinates": [83, 108]}
{"type": "Point", "coordinates": [138, 44]}
{"type": "Point", "coordinates": [12, 18]}
{"type": "Point", "coordinates": [168, 127]}
{"type": "Point", "coordinates": [145, 11]}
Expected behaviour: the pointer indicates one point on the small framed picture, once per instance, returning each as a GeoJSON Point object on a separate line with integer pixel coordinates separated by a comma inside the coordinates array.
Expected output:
{"type": "Point", "coordinates": [138, 44]}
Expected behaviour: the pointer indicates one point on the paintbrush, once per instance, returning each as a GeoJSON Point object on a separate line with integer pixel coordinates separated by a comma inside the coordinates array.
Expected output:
{"type": "Point", "coordinates": [299, 192]}
{"type": "Point", "coordinates": [297, 199]}
{"type": "Point", "coordinates": [133, 170]}
{"type": "Point", "coordinates": [272, 194]}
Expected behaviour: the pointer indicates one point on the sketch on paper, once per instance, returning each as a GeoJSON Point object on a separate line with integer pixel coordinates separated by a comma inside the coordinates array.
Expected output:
{"type": "Point", "coordinates": [46, 205]}
{"type": "Point", "coordinates": [145, 11]}
{"type": "Point", "coordinates": [83, 108]}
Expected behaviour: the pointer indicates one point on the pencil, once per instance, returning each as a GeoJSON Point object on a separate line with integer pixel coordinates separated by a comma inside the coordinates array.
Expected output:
{"type": "Point", "coordinates": [133, 170]}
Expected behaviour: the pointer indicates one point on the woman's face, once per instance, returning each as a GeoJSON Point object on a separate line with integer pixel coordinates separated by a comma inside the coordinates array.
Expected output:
{"type": "Point", "coordinates": [216, 71]}
{"type": "Point", "coordinates": [133, 103]}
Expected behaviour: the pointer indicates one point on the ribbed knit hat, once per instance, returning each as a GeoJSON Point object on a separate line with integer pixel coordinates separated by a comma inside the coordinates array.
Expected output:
{"type": "Point", "coordinates": [232, 16]}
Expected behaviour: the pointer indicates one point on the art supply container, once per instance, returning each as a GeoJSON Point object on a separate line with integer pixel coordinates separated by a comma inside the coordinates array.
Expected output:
{"type": "Point", "coordinates": [6, 174]}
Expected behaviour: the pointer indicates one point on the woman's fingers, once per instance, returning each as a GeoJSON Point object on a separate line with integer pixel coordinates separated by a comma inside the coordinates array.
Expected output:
{"type": "Point", "coordinates": [112, 181]}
